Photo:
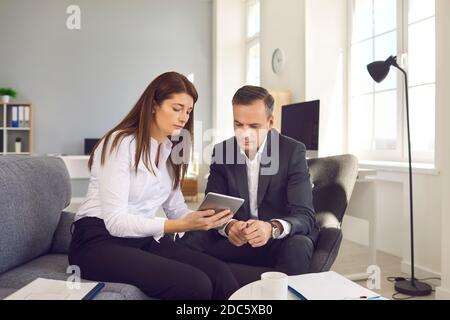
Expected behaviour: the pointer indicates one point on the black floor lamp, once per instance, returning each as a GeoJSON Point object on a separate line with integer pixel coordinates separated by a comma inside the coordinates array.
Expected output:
{"type": "Point", "coordinates": [379, 70]}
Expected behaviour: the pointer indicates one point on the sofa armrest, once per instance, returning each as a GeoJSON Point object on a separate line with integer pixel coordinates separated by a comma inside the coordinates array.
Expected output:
{"type": "Point", "coordinates": [326, 219]}
{"type": "Point", "coordinates": [62, 235]}
{"type": "Point", "coordinates": [326, 250]}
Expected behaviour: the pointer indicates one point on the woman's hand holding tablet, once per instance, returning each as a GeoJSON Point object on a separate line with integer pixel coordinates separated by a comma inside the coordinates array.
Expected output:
{"type": "Point", "coordinates": [215, 211]}
{"type": "Point", "coordinates": [219, 202]}
{"type": "Point", "coordinates": [206, 219]}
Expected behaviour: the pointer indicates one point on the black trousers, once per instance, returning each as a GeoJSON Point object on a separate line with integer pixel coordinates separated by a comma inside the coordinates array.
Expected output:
{"type": "Point", "coordinates": [163, 269]}
{"type": "Point", "coordinates": [291, 255]}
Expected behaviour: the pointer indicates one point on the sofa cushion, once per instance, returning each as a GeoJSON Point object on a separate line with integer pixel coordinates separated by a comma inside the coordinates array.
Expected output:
{"type": "Point", "coordinates": [53, 266]}
{"type": "Point", "coordinates": [48, 266]}
{"type": "Point", "coordinates": [33, 192]}
{"type": "Point", "coordinates": [62, 237]}
{"type": "Point", "coordinates": [5, 292]}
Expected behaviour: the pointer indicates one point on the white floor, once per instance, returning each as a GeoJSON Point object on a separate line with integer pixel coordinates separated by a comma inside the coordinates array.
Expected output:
{"type": "Point", "coordinates": [353, 258]}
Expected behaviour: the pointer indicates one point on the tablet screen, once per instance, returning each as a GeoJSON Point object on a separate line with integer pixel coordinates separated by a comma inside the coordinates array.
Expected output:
{"type": "Point", "coordinates": [220, 202]}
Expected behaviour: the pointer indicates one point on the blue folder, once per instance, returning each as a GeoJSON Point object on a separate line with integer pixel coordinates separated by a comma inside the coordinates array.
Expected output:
{"type": "Point", "coordinates": [91, 294]}
{"type": "Point", "coordinates": [296, 293]}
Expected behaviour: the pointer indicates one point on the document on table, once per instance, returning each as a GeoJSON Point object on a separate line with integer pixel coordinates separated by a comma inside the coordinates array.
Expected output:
{"type": "Point", "coordinates": [330, 286]}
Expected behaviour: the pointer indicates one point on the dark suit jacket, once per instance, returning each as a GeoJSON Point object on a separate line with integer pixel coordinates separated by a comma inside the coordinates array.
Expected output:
{"type": "Point", "coordinates": [284, 187]}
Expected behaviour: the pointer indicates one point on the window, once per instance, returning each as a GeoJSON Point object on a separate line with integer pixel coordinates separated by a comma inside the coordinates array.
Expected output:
{"type": "Point", "coordinates": [253, 54]}
{"type": "Point", "coordinates": [377, 127]}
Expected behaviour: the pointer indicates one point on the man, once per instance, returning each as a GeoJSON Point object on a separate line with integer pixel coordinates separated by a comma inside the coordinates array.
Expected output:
{"type": "Point", "coordinates": [275, 227]}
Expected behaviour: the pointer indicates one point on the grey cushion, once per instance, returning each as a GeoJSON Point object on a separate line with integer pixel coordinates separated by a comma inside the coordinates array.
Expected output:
{"type": "Point", "coordinates": [62, 236]}
{"type": "Point", "coordinates": [5, 292]}
{"type": "Point", "coordinates": [48, 266]}
{"type": "Point", "coordinates": [120, 291]}
{"type": "Point", "coordinates": [54, 266]}
{"type": "Point", "coordinates": [33, 192]}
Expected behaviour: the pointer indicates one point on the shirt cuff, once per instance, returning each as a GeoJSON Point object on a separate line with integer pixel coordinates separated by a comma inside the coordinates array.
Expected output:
{"type": "Point", "coordinates": [222, 229]}
{"type": "Point", "coordinates": [160, 233]}
{"type": "Point", "coordinates": [286, 228]}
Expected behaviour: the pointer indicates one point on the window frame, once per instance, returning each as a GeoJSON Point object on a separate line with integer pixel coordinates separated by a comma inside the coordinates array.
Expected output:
{"type": "Point", "coordinates": [251, 41]}
{"type": "Point", "coordinates": [400, 154]}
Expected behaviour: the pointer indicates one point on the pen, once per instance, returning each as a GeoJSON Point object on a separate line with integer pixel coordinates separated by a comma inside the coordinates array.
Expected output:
{"type": "Point", "coordinates": [364, 298]}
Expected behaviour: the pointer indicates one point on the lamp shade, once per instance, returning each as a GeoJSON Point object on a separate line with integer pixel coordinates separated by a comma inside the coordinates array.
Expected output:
{"type": "Point", "coordinates": [379, 70]}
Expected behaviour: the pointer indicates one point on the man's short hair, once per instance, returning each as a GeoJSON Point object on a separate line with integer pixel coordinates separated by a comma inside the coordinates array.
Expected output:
{"type": "Point", "coordinates": [249, 94]}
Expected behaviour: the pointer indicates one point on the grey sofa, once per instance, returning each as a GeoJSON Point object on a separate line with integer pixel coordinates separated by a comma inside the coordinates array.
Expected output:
{"type": "Point", "coordinates": [35, 232]}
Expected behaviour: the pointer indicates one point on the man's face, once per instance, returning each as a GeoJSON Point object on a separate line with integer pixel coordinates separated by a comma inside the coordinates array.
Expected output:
{"type": "Point", "coordinates": [251, 125]}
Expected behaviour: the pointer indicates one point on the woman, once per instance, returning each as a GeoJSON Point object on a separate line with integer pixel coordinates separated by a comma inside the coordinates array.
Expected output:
{"type": "Point", "coordinates": [135, 169]}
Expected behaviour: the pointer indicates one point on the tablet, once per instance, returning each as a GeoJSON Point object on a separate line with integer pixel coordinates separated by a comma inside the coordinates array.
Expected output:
{"type": "Point", "coordinates": [220, 202]}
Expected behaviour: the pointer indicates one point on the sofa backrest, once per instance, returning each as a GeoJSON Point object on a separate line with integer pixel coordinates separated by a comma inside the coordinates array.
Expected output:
{"type": "Point", "coordinates": [33, 192]}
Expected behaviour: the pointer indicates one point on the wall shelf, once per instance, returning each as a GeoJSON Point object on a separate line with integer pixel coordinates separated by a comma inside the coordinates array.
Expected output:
{"type": "Point", "coordinates": [16, 123]}
{"type": "Point", "coordinates": [18, 129]}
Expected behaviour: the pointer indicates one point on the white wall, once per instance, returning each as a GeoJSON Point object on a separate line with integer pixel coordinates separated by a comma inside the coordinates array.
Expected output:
{"type": "Point", "coordinates": [228, 61]}
{"type": "Point", "coordinates": [83, 82]}
{"type": "Point", "coordinates": [325, 69]}
{"type": "Point", "coordinates": [443, 141]}
{"type": "Point", "coordinates": [313, 37]}
{"type": "Point", "coordinates": [283, 26]}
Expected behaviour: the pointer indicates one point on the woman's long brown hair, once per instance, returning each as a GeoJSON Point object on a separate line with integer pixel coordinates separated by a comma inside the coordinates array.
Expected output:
{"type": "Point", "coordinates": [139, 120]}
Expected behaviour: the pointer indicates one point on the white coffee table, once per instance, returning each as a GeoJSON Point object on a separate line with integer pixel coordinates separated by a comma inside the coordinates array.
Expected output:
{"type": "Point", "coordinates": [246, 293]}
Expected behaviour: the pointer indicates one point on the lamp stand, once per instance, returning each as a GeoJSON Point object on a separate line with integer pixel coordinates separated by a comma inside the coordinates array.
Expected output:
{"type": "Point", "coordinates": [411, 287]}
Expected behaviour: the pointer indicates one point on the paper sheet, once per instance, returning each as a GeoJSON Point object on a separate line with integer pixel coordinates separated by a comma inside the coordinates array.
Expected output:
{"type": "Point", "coordinates": [329, 286]}
{"type": "Point", "coordinates": [46, 289]}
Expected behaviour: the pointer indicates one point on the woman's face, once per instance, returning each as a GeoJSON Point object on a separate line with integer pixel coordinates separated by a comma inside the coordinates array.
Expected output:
{"type": "Point", "coordinates": [173, 114]}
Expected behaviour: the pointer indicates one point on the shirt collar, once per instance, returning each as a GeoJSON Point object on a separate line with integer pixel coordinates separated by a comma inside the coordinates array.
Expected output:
{"type": "Point", "coordinates": [166, 148]}
{"type": "Point", "coordinates": [258, 153]}
{"type": "Point", "coordinates": [166, 143]}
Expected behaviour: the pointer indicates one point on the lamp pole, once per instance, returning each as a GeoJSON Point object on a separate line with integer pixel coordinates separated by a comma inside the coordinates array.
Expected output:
{"type": "Point", "coordinates": [379, 71]}
{"type": "Point", "coordinates": [411, 204]}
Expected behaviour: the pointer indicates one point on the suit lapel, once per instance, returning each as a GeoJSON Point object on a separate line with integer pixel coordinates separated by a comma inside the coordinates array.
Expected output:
{"type": "Point", "coordinates": [263, 180]}
{"type": "Point", "coordinates": [240, 174]}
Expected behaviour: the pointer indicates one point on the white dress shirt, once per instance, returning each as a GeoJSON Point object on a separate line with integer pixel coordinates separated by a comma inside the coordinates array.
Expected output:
{"type": "Point", "coordinates": [253, 166]}
{"type": "Point", "coordinates": [126, 201]}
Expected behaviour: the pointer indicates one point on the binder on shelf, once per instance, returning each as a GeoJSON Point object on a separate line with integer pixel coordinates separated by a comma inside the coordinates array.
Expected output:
{"type": "Point", "coordinates": [27, 117]}
{"type": "Point", "coordinates": [14, 117]}
{"type": "Point", "coordinates": [21, 117]}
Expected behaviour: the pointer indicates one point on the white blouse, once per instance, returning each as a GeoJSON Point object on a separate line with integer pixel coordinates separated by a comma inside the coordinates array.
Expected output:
{"type": "Point", "coordinates": [126, 201]}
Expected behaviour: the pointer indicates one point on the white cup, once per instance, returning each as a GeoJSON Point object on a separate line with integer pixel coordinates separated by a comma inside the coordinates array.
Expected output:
{"type": "Point", "coordinates": [272, 286]}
